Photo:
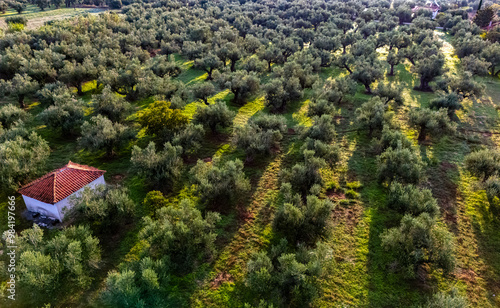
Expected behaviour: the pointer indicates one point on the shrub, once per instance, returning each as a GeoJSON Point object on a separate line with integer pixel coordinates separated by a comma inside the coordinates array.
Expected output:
{"type": "Point", "coordinates": [22, 159]}
{"type": "Point", "coordinates": [162, 121]}
{"type": "Point", "coordinates": [323, 129]}
{"type": "Point", "coordinates": [46, 264]}
{"type": "Point", "coordinates": [483, 163]}
{"type": "Point", "coordinates": [402, 165]}
{"type": "Point", "coordinates": [160, 168]}
{"type": "Point", "coordinates": [180, 235]}
{"type": "Point", "coordinates": [190, 138]}
{"type": "Point", "coordinates": [302, 221]}
{"type": "Point", "coordinates": [373, 115]}
{"type": "Point", "coordinates": [219, 182]}
{"type": "Point", "coordinates": [115, 107]}
{"type": "Point", "coordinates": [329, 152]}
{"type": "Point", "coordinates": [260, 135]}
{"type": "Point", "coordinates": [320, 107]}
{"type": "Point", "coordinates": [67, 115]}
{"type": "Point", "coordinates": [16, 20]}
{"type": "Point", "coordinates": [435, 122]}
{"type": "Point", "coordinates": [100, 132]}
{"type": "Point", "coordinates": [10, 114]}
{"type": "Point", "coordinates": [137, 284]}
{"type": "Point", "coordinates": [418, 241]}
{"type": "Point", "coordinates": [450, 299]}
{"type": "Point", "coordinates": [214, 115]}
{"type": "Point", "coordinates": [408, 199]}
{"type": "Point", "coordinates": [287, 279]}
{"type": "Point", "coordinates": [394, 139]}
{"type": "Point", "coordinates": [303, 176]}
{"type": "Point", "coordinates": [105, 208]}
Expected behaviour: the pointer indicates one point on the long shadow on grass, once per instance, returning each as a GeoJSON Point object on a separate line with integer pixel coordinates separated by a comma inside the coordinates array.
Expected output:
{"type": "Point", "coordinates": [385, 288]}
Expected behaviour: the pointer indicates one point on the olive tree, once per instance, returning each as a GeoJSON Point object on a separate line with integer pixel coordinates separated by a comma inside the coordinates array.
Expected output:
{"type": "Point", "coordinates": [160, 168]}
{"type": "Point", "coordinates": [101, 133]}
{"type": "Point", "coordinates": [214, 115]}
{"type": "Point", "coordinates": [418, 241]}
{"type": "Point", "coordinates": [219, 182]}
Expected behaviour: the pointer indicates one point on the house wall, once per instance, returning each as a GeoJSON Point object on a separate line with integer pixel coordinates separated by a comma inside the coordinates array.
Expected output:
{"type": "Point", "coordinates": [60, 208]}
{"type": "Point", "coordinates": [46, 209]}
{"type": "Point", "coordinates": [65, 205]}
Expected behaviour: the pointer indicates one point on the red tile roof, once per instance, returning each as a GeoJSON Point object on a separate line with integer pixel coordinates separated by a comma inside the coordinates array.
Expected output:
{"type": "Point", "coordinates": [59, 184]}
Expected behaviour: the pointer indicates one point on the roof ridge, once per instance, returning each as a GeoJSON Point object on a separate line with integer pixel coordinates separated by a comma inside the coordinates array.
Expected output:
{"type": "Point", "coordinates": [54, 187]}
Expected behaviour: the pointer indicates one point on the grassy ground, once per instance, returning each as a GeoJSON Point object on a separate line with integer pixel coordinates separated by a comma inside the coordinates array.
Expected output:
{"type": "Point", "coordinates": [36, 17]}
{"type": "Point", "coordinates": [361, 276]}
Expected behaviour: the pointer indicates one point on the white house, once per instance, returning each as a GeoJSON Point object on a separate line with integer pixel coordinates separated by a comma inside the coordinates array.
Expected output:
{"type": "Point", "coordinates": [49, 195]}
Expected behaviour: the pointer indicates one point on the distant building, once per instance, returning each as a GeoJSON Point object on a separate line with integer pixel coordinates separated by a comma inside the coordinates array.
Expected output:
{"type": "Point", "coordinates": [430, 6]}
{"type": "Point", "coordinates": [49, 195]}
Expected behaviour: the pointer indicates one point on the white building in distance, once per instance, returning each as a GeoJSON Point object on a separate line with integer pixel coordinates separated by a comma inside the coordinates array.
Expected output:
{"type": "Point", "coordinates": [49, 195]}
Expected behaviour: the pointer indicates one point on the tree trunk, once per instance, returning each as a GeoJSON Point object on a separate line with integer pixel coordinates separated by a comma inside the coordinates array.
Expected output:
{"type": "Point", "coordinates": [348, 69]}
{"type": "Point", "coordinates": [421, 134]}
{"type": "Point", "coordinates": [391, 73]}
{"type": "Point", "coordinates": [209, 77]}
{"type": "Point", "coordinates": [344, 51]}
{"type": "Point", "coordinates": [79, 88]}
{"type": "Point", "coordinates": [205, 100]}
{"type": "Point", "coordinates": [368, 89]}
{"type": "Point", "coordinates": [269, 66]}
{"type": "Point", "coordinates": [20, 99]}
{"type": "Point", "coordinates": [233, 66]}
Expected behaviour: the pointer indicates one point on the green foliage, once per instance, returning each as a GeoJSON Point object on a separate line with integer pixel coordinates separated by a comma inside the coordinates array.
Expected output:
{"type": "Point", "coordinates": [190, 138]}
{"type": "Point", "coordinates": [16, 20]}
{"type": "Point", "coordinates": [110, 105]}
{"type": "Point", "coordinates": [401, 165]}
{"type": "Point", "coordinates": [320, 107]}
{"type": "Point", "coordinates": [390, 92]}
{"type": "Point", "coordinates": [240, 83]}
{"type": "Point", "coordinates": [475, 65]}
{"type": "Point", "coordinates": [428, 69]}
{"type": "Point", "coordinates": [408, 199]}
{"type": "Point", "coordinates": [220, 182]}
{"type": "Point", "coordinates": [180, 235]}
{"type": "Point", "coordinates": [75, 73]}
{"type": "Point", "coordinates": [337, 91]}
{"type": "Point", "coordinates": [483, 163]}
{"type": "Point", "coordinates": [66, 115]}
{"type": "Point", "coordinates": [22, 159]}
{"type": "Point", "coordinates": [329, 152]}
{"type": "Point", "coordinates": [162, 121]}
{"type": "Point", "coordinates": [101, 133]}
{"type": "Point", "coordinates": [367, 72]}
{"type": "Point", "coordinates": [68, 259]}
{"type": "Point", "coordinates": [491, 54]}
{"type": "Point", "coordinates": [373, 115]}
{"type": "Point", "coordinates": [433, 122]}
{"type": "Point", "coordinates": [160, 168]}
{"type": "Point", "coordinates": [393, 139]}
{"type": "Point", "coordinates": [214, 115]}
{"type": "Point", "coordinates": [52, 92]}
{"type": "Point", "coordinates": [10, 114]}
{"type": "Point", "coordinates": [203, 91]}
{"type": "Point", "coordinates": [287, 279]}
{"type": "Point", "coordinates": [305, 175]}
{"type": "Point", "coordinates": [280, 92]}
{"type": "Point", "coordinates": [450, 299]}
{"type": "Point", "coordinates": [450, 102]}
{"type": "Point", "coordinates": [137, 285]}
{"type": "Point", "coordinates": [105, 208]}
{"type": "Point", "coordinates": [418, 241]}
{"type": "Point", "coordinates": [208, 63]}
{"type": "Point", "coordinates": [323, 129]}
{"type": "Point", "coordinates": [20, 86]}
{"type": "Point", "coordinates": [260, 135]}
{"type": "Point", "coordinates": [153, 202]}
{"type": "Point", "coordinates": [301, 221]}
